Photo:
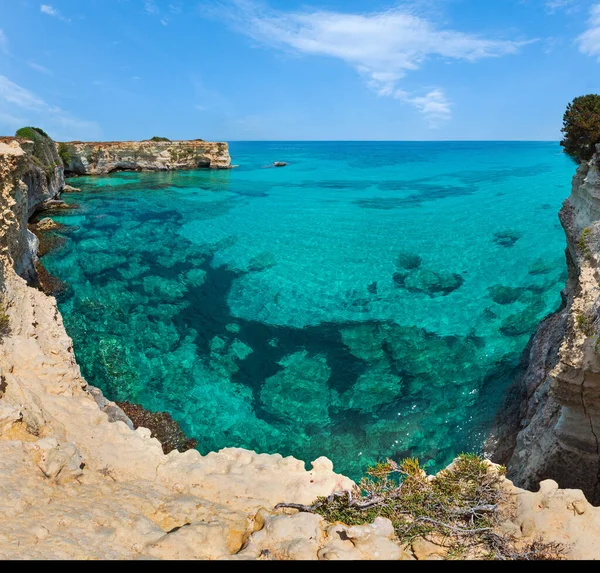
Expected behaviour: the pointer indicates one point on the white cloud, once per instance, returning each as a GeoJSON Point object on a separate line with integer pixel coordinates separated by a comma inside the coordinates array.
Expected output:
{"type": "Point", "coordinates": [381, 46]}
{"type": "Point", "coordinates": [46, 9]}
{"type": "Point", "coordinates": [164, 21]}
{"type": "Point", "coordinates": [589, 41]}
{"type": "Point", "coordinates": [151, 7]}
{"type": "Point", "coordinates": [51, 11]}
{"type": "Point", "coordinates": [434, 105]}
{"type": "Point", "coordinates": [39, 68]}
{"type": "Point", "coordinates": [32, 110]}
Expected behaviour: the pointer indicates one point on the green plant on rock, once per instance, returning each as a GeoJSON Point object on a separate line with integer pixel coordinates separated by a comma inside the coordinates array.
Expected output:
{"type": "Point", "coordinates": [583, 243]}
{"type": "Point", "coordinates": [458, 505]}
{"type": "Point", "coordinates": [581, 127]}
{"type": "Point", "coordinates": [157, 138]}
{"type": "Point", "coordinates": [585, 323]}
{"type": "Point", "coordinates": [63, 152]}
{"type": "Point", "coordinates": [4, 318]}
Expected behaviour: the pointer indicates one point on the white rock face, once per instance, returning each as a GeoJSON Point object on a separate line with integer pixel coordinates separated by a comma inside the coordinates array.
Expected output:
{"type": "Point", "coordinates": [105, 157]}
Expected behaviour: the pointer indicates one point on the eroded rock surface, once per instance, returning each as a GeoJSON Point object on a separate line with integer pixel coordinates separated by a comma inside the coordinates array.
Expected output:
{"type": "Point", "coordinates": [98, 158]}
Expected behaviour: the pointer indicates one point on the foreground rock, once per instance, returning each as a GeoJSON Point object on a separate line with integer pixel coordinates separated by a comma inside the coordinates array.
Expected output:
{"type": "Point", "coordinates": [553, 423]}
{"type": "Point", "coordinates": [106, 157]}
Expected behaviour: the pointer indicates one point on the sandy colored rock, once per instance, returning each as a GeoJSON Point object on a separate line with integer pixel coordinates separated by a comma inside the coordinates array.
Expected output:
{"type": "Point", "coordinates": [100, 158]}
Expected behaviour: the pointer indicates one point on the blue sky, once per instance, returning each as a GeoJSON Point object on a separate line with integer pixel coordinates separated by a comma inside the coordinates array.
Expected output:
{"type": "Point", "coordinates": [273, 69]}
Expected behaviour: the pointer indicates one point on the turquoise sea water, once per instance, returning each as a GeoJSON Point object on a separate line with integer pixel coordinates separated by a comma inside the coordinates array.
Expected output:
{"type": "Point", "coordinates": [368, 300]}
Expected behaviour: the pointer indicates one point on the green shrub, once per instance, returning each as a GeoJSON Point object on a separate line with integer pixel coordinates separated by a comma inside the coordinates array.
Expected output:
{"type": "Point", "coordinates": [583, 243]}
{"type": "Point", "coordinates": [156, 138]}
{"type": "Point", "coordinates": [581, 127]}
{"type": "Point", "coordinates": [4, 319]}
{"type": "Point", "coordinates": [460, 504]}
{"type": "Point", "coordinates": [63, 152]}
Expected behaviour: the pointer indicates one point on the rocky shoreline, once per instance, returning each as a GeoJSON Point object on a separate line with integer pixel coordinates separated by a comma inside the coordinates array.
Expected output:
{"type": "Point", "coordinates": [80, 482]}
{"type": "Point", "coordinates": [555, 423]}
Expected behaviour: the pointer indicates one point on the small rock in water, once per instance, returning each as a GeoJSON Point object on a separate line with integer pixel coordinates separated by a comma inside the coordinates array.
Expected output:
{"type": "Point", "coordinates": [279, 164]}
{"type": "Point", "coordinates": [507, 238]}
{"type": "Point", "coordinates": [70, 189]}
{"type": "Point", "coordinates": [46, 224]}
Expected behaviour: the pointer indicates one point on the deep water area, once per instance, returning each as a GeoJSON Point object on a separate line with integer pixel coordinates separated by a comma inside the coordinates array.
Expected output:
{"type": "Point", "coordinates": [368, 300]}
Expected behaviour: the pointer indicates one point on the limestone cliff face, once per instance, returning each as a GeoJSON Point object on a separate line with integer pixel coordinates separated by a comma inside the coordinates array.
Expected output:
{"type": "Point", "coordinates": [31, 176]}
{"type": "Point", "coordinates": [107, 157]}
{"type": "Point", "coordinates": [556, 432]}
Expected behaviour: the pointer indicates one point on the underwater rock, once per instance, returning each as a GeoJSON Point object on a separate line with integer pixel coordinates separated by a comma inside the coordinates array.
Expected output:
{"type": "Point", "coordinates": [504, 294]}
{"type": "Point", "coordinates": [521, 323]}
{"type": "Point", "coordinates": [262, 262]}
{"type": "Point", "coordinates": [372, 288]}
{"type": "Point", "coordinates": [408, 261]}
{"type": "Point", "coordinates": [432, 283]}
{"type": "Point", "coordinates": [290, 393]}
{"type": "Point", "coordinates": [507, 238]}
{"type": "Point", "coordinates": [166, 430]}
{"type": "Point", "coordinates": [541, 267]}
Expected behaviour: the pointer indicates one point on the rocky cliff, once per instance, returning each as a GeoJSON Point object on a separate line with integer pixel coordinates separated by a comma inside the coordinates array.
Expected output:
{"type": "Point", "coordinates": [34, 171]}
{"type": "Point", "coordinates": [107, 157]}
{"type": "Point", "coordinates": [79, 483]}
{"type": "Point", "coordinates": [552, 428]}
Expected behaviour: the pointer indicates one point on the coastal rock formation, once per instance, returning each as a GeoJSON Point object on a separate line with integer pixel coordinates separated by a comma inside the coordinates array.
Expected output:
{"type": "Point", "coordinates": [552, 427]}
{"type": "Point", "coordinates": [107, 157]}
{"type": "Point", "coordinates": [34, 172]}
{"type": "Point", "coordinates": [79, 482]}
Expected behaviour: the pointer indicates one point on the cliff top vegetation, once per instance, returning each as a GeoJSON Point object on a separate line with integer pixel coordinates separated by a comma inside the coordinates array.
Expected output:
{"type": "Point", "coordinates": [581, 127]}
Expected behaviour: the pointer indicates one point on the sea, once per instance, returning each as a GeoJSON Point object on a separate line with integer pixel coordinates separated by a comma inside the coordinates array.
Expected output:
{"type": "Point", "coordinates": [369, 300]}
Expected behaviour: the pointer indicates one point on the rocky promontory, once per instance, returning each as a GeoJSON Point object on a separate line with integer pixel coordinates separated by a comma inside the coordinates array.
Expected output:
{"type": "Point", "coordinates": [99, 158]}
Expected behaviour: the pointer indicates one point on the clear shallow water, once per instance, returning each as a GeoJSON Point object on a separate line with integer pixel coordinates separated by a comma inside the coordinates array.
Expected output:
{"type": "Point", "coordinates": [368, 300]}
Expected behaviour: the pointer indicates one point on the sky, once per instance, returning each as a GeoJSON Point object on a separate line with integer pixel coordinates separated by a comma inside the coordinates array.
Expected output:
{"type": "Point", "coordinates": [228, 70]}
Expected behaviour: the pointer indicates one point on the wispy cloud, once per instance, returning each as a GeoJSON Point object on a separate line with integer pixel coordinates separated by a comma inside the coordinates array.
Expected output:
{"type": "Point", "coordinates": [153, 10]}
{"type": "Point", "coordinates": [40, 69]}
{"type": "Point", "coordinates": [51, 11]}
{"type": "Point", "coordinates": [381, 46]}
{"type": "Point", "coordinates": [151, 7]}
{"type": "Point", "coordinates": [434, 105]}
{"type": "Point", "coordinates": [568, 6]}
{"type": "Point", "coordinates": [589, 41]}
{"type": "Point", "coordinates": [19, 104]}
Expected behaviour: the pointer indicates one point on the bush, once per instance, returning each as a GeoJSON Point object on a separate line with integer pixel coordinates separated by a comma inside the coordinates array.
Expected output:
{"type": "Point", "coordinates": [581, 127]}
{"type": "Point", "coordinates": [460, 505]}
{"type": "Point", "coordinates": [63, 152]}
{"type": "Point", "coordinates": [32, 133]}
{"type": "Point", "coordinates": [156, 138]}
